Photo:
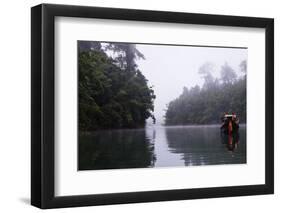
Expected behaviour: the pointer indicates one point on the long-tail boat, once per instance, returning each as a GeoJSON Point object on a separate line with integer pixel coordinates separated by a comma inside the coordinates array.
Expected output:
{"type": "Point", "coordinates": [230, 124]}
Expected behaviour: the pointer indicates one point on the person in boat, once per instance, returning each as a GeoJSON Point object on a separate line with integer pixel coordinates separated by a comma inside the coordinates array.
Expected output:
{"type": "Point", "coordinates": [230, 123]}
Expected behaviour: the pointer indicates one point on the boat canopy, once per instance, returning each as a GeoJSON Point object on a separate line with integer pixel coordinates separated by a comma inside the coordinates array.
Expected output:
{"type": "Point", "coordinates": [229, 116]}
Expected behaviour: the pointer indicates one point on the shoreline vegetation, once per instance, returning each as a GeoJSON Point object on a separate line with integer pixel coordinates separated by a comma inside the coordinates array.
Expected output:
{"type": "Point", "coordinates": [157, 126]}
{"type": "Point", "coordinates": [114, 94]}
{"type": "Point", "coordinates": [206, 104]}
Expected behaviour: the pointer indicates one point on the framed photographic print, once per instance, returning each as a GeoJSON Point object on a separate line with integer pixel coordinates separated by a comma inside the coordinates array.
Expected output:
{"type": "Point", "coordinates": [139, 106]}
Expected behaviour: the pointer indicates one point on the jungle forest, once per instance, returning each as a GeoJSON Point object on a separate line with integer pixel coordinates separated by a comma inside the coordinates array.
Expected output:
{"type": "Point", "coordinates": [206, 104]}
{"type": "Point", "coordinates": [148, 105]}
{"type": "Point", "coordinates": [113, 93]}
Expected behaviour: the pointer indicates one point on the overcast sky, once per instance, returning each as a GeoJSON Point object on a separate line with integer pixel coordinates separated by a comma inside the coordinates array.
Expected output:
{"type": "Point", "coordinates": [170, 68]}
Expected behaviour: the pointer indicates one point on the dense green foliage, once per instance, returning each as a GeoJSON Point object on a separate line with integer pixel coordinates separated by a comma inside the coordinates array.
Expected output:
{"type": "Point", "coordinates": [112, 94]}
{"type": "Point", "coordinates": [207, 104]}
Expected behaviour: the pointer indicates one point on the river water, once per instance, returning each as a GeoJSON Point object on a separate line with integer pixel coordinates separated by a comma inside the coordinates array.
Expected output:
{"type": "Point", "coordinates": [160, 146]}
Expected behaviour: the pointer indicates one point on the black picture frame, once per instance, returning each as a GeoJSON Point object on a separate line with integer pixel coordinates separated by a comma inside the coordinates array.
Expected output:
{"type": "Point", "coordinates": [43, 102]}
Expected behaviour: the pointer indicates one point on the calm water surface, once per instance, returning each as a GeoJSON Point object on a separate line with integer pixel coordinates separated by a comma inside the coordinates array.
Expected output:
{"type": "Point", "coordinates": [160, 146]}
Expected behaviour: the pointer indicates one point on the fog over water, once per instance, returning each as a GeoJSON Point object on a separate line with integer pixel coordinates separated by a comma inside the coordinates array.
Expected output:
{"type": "Point", "coordinates": [170, 68]}
{"type": "Point", "coordinates": [115, 100]}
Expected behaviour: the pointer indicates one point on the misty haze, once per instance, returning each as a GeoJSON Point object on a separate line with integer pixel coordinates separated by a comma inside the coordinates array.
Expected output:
{"type": "Point", "coordinates": [151, 105]}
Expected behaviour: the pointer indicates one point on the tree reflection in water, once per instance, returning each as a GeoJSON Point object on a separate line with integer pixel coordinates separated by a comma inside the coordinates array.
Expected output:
{"type": "Point", "coordinates": [160, 146]}
{"type": "Point", "coordinates": [115, 149]}
{"type": "Point", "coordinates": [201, 145]}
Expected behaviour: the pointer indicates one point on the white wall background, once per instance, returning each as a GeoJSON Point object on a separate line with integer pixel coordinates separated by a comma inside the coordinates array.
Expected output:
{"type": "Point", "coordinates": [15, 105]}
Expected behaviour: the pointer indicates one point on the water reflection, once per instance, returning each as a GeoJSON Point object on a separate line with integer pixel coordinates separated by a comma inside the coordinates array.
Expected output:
{"type": "Point", "coordinates": [231, 141]}
{"type": "Point", "coordinates": [160, 146]}
{"type": "Point", "coordinates": [115, 149]}
{"type": "Point", "coordinates": [165, 158]}
{"type": "Point", "coordinates": [201, 145]}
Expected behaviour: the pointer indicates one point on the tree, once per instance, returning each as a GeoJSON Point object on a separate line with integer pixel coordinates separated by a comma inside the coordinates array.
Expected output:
{"type": "Point", "coordinates": [206, 105]}
{"type": "Point", "coordinates": [85, 46]}
{"type": "Point", "coordinates": [243, 66]}
{"type": "Point", "coordinates": [206, 71]}
{"type": "Point", "coordinates": [127, 54]}
{"type": "Point", "coordinates": [110, 97]}
{"type": "Point", "coordinates": [228, 75]}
